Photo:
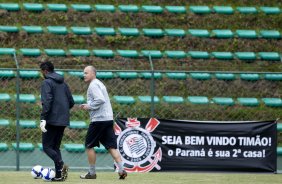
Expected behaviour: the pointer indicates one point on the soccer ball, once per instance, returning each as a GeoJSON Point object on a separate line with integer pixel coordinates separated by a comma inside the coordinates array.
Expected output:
{"type": "Point", "coordinates": [48, 174]}
{"type": "Point", "coordinates": [36, 171]}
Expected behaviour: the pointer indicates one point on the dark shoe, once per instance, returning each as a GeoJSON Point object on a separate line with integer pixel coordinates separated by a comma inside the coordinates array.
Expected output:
{"type": "Point", "coordinates": [58, 179]}
{"type": "Point", "coordinates": [65, 170]}
{"type": "Point", "coordinates": [122, 175]}
{"type": "Point", "coordinates": [88, 176]}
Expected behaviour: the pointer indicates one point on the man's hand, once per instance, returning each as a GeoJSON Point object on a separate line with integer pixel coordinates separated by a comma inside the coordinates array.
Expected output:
{"type": "Point", "coordinates": [84, 106]}
{"type": "Point", "coordinates": [42, 126]}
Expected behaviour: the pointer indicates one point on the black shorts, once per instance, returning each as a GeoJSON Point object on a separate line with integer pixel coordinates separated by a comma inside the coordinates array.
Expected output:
{"type": "Point", "coordinates": [101, 132]}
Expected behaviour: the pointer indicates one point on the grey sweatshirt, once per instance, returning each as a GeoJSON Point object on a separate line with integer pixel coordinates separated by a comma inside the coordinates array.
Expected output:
{"type": "Point", "coordinates": [99, 102]}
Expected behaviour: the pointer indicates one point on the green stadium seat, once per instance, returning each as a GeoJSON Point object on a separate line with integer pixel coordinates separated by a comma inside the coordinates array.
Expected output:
{"type": "Point", "coordinates": [7, 74]}
{"type": "Point", "coordinates": [124, 100]}
{"type": "Point", "coordinates": [225, 76]}
{"type": "Point", "coordinates": [105, 8]}
{"type": "Point", "coordinates": [279, 129]}
{"type": "Point", "coordinates": [178, 76]}
{"type": "Point", "coordinates": [33, 7]}
{"type": "Point", "coordinates": [148, 75]}
{"type": "Point", "coordinates": [199, 54]}
{"type": "Point", "coordinates": [272, 56]}
{"type": "Point", "coordinates": [279, 151]}
{"type": "Point", "coordinates": [81, 7]}
{"type": "Point", "coordinates": [270, 10]}
{"type": "Point", "coordinates": [152, 9]}
{"type": "Point", "coordinates": [76, 74]}
{"type": "Point", "coordinates": [272, 102]}
{"type": "Point", "coordinates": [4, 97]}
{"type": "Point", "coordinates": [249, 76]}
{"type": "Point", "coordinates": [175, 54]}
{"type": "Point", "coordinates": [176, 9]}
{"type": "Point", "coordinates": [3, 147]}
{"type": "Point", "coordinates": [10, 6]}
{"type": "Point", "coordinates": [148, 99]}
{"type": "Point", "coordinates": [78, 99]}
{"type": "Point", "coordinates": [23, 146]}
{"type": "Point", "coordinates": [55, 52]}
{"type": "Point", "coordinates": [223, 9]}
{"type": "Point", "coordinates": [128, 8]}
{"type": "Point", "coordinates": [199, 33]}
{"type": "Point", "coordinates": [105, 31]}
{"type": "Point", "coordinates": [74, 147]}
{"type": "Point", "coordinates": [79, 52]}
{"type": "Point", "coordinates": [9, 29]}
{"type": "Point", "coordinates": [152, 53]}
{"type": "Point", "coordinates": [7, 51]}
{"type": "Point", "coordinates": [105, 75]}
{"type": "Point", "coordinates": [127, 75]}
{"type": "Point", "coordinates": [200, 9]}
{"type": "Point", "coordinates": [30, 52]}
{"type": "Point", "coordinates": [270, 34]}
{"type": "Point", "coordinates": [57, 7]}
{"type": "Point", "coordinates": [198, 99]}
{"type": "Point", "coordinates": [248, 101]}
{"type": "Point", "coordinates": [223, 101]}
{"type": "Point", "coordinates": [200, 76]}
{"type": "Point", "coordinates": [27, 124]}
{"type": "Point", "coordinates": [128, 53]}
{"type": "Point", "coordinates": [100, 149]}
{"type": "Point", "coordinates": [77, 125]}
{"type": "Point", "coordinates": [129, 31]}
{"type": "Point", "coordinates": [222, 55]}
{"type": "Point", "coordinates": [246, 33]}
{"type": "Point", "coordinates": [81, 30]}
{"type": "Point", "coordinates": [60, 30]}
{"type": "Point", "coordinates": [246, 55]}
{"type": "Point", "coordinates": [27, 98]}
{"type": "Point", "coordinates": [175, 32]}
{"type": "Point", "coordinates": [39, 145]}
{"type": "Point", "coordinates": [173, 99]}
{"type": "Point", "coordinates": [153, 32]}
{"type": "Point", "coordinates": [29, 74]}
{"type": "Point", "coordinates": [273, 77]}
{"type": "Point", "coordinates": [247, 10]}
{"type": "Point", "coordinates": [4, 122]}
{"type": "Point", "coordinates": [32, 29]}
{"type": "Point", "coordinates": [103, 53]}
{"type": "Point", "coordinates": [222, 33]}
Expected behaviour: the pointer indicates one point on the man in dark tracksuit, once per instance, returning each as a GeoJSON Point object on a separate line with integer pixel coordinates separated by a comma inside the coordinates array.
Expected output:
{"type": "Point", "coordinates": [57, 101]}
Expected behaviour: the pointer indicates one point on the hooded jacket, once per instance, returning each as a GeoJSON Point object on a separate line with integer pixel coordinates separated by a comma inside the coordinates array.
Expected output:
{"type": "Point", "coordinates": [56, 100]}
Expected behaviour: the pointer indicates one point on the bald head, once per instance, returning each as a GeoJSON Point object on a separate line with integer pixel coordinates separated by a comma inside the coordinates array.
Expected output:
{"type": "Point", "coordinates": [89, 73]}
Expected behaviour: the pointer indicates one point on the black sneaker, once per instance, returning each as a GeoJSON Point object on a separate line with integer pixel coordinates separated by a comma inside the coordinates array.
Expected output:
{"type": "Point", "coordinates": [88, 176]}
{"type": "Point", "coordinates": [122, 175]}
{"type": "Point", "coordinates": [58, 179]}
{"type": "Point", "coordinates": [65, 170]}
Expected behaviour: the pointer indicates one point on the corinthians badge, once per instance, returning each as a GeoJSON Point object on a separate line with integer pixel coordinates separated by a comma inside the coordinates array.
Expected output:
{"type": "Point", "coordinates": [136, 145]}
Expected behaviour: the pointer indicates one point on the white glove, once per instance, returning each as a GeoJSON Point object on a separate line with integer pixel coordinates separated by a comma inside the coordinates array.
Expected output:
{"type": "Point", "coordinates": [42, 126]}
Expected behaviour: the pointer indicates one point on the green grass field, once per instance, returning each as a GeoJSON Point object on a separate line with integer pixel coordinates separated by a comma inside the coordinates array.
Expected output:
{"type": "Point", "coordinates": [152, 178]}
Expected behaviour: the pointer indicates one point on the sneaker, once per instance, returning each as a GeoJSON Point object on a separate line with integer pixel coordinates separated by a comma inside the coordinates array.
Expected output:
{"type": "Point", "coordinates": [122, 175]}
{"type": "Point", "coordinates": [88, 176]}
{"type": "Point", "coordinates": [65, 170]}
{"type": "Point", "coordinates": [58, 179]}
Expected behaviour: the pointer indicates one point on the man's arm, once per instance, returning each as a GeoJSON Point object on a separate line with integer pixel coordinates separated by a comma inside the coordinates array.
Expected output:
{"type": "Point", "coordinates": [46, 99]}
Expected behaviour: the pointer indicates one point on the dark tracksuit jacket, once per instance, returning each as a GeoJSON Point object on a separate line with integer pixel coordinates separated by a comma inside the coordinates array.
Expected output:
{"type": "Point", "coordinates": [56, 100]}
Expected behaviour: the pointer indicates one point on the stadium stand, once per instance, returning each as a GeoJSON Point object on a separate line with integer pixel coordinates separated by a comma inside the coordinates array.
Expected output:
{"type": "Point", "coordinates": [210, 61]}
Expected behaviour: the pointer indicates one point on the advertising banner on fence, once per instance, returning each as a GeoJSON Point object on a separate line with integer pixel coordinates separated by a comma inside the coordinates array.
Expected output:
{"type": "Point", "coordinates": [175, 145]}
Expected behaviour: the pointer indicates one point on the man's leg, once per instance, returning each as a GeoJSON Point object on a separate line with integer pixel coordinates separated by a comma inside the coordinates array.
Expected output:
{"type": "Point", "coordinates": [91, 155]}
{"type": "Point", "coordinates": [116, 156]}
{"type": "Point", "coordinates": [60, 167]}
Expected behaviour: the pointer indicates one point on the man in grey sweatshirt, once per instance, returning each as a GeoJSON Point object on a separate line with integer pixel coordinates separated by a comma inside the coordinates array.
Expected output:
{"type": "Point", "coordinates": [100, 129]}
